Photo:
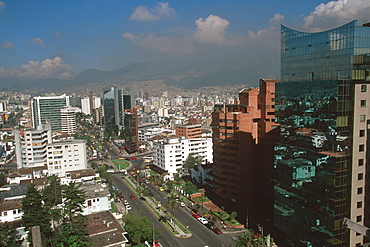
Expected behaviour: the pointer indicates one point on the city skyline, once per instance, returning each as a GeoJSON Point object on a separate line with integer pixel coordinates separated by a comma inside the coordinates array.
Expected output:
{"type": "Point", "coordinates": [43, 39]}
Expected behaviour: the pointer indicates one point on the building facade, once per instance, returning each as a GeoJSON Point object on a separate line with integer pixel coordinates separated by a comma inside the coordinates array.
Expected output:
{"type": "Point", "coordinates": [68, 120]}
{"type": "Point", "coordinates": [48, 108]}
{"type": "Point", "coordinates": [169, 154]}
{"type": "Point", "coordinates": [189, 131]}
{"type": "Point", "coordinates": [31, 146]}
{"type": "Point", "coordinates": [237, 130]}
{"type": "Point", "coordinates": [116, 101]}
{"type": "Point", "coordinates": [321, 160]}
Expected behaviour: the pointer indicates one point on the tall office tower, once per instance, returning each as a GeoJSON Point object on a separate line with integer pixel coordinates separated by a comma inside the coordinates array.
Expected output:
{"type": "Point", "coordinates": [48, 108]}
{"type": "Point", "coordinates": [321, 160]}
{"type": "Point", "coordinates": [68, 118]}
{"type": "Point", "coordinates": [116, 101]}
{"type": "Point", "coordinates": [130, 131]}
{"type": "Point", "coordinates": [31, 144]}
{"type": "Point", "coordinates": [86, 106]}
{"type": "Point", "coordinates": [235, 140]}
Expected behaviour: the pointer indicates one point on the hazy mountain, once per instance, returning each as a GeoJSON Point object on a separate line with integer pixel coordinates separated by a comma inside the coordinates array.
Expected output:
{"type": "Point", "coordinates": [144, 76]}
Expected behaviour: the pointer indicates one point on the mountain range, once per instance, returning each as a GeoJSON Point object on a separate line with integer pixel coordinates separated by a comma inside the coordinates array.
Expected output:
{"type": "Point", "coordinates": [143, 76]}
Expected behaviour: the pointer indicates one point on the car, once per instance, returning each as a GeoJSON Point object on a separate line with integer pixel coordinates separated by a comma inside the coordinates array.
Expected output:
{"type": "Point", "coordinates": [161, 189]}
{"type": "Point", "coordinates": [210, 225]}
{"type": "Point", "coordinates": [196, 215]}
{"type": "Point", "coordinates": [132, 197]}
{"type": "Point", "coordinates": [216, 230]}
{"type": "Point", "coordinates": [121, 158]}
{"type": "Point", "coordinates": [182, 204]}
{"type": "Point", "coordinates": [126, 202]}
{"type": "Point", "coordinates": [202, 220]}
{"type": "Point", "coordinates": [156, 243]}
{"type": "Point", "coordinates": [128, 207]}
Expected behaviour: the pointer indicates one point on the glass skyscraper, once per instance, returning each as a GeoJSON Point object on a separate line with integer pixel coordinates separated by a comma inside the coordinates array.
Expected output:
{"type": "Point", "coordinates": [321, 159]}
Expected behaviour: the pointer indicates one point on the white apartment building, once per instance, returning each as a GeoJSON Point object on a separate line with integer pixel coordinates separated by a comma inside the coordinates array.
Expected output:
{"type": "Point", "coordinates": [67, 155]}
{"type": "Point", "coordinates": [145, 135]}
{"type": "Point", "coordinates": [68, 119]}
{"type": "Point", "coordinates": [169, 154]}
{"type": "Point", "coordinates": [31, 145]}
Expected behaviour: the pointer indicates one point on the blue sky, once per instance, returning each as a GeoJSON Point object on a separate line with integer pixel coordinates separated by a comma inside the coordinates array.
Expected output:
{"type": "Point", "coordinates": [52, 38]}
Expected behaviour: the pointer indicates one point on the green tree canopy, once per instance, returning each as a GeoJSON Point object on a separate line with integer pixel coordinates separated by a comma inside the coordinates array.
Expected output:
{"type": "Point", "coordinates": [192, 160]}
{"type": "Point", "coordinates": [8, 235]}
{"type": "Point", "coordinates": [139, 229]}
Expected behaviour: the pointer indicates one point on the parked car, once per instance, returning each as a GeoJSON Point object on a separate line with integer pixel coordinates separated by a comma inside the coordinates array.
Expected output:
{"type": "Point", "coordinates": [203, 220]}
{"type": "Point", "coordinates": [128, 207]}
{"type": "Point", "coordinates": [210, 225]}
{"type": "Point", "coordinates": [182, 204]}
{"type": "Point", "coordinates": [216, 230]}
{"type": "Point", "coordinates": [196, 215]}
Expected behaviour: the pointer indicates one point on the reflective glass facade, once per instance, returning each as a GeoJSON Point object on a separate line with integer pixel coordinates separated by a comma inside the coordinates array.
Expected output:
{"type": "Point", "coordinates": [314, 106]}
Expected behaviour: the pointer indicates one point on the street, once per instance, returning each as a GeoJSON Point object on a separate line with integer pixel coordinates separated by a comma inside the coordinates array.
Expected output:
{"type": "Point", "coordinates": [202, 236]}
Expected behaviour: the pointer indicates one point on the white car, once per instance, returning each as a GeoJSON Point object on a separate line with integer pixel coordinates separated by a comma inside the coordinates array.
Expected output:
{"type": "Point", "coordinates": [203, 220]}
{"type": "Point", "coordinates": [182, 204]}
{"type": "Point", "coordinates": [128, 207]}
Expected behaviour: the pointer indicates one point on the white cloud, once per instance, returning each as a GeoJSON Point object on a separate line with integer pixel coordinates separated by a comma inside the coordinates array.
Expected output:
{"type": "Point", "coordinates": [2, 5]}
{"type": "Point", "coordinates": [33, 70]}
{"type": "Point", "coordinates": [161, 11]}
{"type": "Point", "coordinates": [7, 44]}
{"type": "Point", "coordinates": [211, 30]}
{"type": "Point", "coordinates": [37, 41]}
{"type": "Point", "coordinates": [336, 13]}
{"type": "Point", "coordinates": [160, 44]}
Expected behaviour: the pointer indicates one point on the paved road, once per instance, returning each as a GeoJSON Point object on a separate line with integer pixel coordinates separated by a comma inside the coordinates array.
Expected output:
{"type": "Point", "coordinates": [202, 236]}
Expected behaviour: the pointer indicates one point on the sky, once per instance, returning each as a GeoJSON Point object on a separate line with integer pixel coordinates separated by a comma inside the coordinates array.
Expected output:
{"type": "Point", "coordinates": [44, 38]}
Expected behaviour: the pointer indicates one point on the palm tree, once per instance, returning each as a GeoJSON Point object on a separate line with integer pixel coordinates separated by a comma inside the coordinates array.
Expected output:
{"type": "Point", "coordinates": [246, 240]}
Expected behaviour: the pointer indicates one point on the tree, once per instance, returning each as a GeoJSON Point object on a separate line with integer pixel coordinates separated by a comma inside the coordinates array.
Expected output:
{"type": "Point", "coordinates": [232, 216]}
{"type": "Point", "coordinates": [192, 160]}
{"type": "Point", "coordinates": [190, 188]}
{"type": "Point", "coordinates": [52, 197]}
{"type": "Point", "coordinates": [8, 235]}
{"type": "Point", "coordinates": [111, 130]}
{"type": "Point", "coordinates": [73, 226]}
{"type": "Point", "coordinates": [245, 240]}
{"type": "Point", "coordinates": [139, 229]}
{"type": "Point", "coordinates": [34, 214]}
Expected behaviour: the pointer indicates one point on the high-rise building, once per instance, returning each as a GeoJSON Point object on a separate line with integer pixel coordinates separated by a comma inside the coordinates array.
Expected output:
{"type": "Point", "coordinates": [48, 108]}
{"type": "Point", "coordinates": [116, 101]}
{"type": "Point", "coordinates": [321, 160]}
{"type": "Point", "coordinates": [68, 118]}
{"type": "Point", "coordinates": [237, 131]}
{"type": "Point", "coordinates": [31, 145]}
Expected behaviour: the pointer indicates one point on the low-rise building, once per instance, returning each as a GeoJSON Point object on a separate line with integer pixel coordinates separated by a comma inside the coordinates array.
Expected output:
{"type": "Point", "coordinates": [97, 198]}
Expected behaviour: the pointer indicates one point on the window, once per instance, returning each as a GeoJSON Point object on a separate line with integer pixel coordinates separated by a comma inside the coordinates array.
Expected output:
{"type": "Point", "coordinates": [361, 148]}
{"type": "Point", "coordinates": [359, 218]}
{"type": "Point", "coordinates": [359, 204]}
{"type": "Point", "coordinates": [363, 103]}
{"type": "Point", "coordinates": [359, 191]}
{"type": "Point", "coordinates": [360, 162]}
{"type": "Point", "coordinates": [362, 133]}
{"type": "Point", "coordinates": [360, 176]}
{"type": "Point", "coordinates": [363, 88]}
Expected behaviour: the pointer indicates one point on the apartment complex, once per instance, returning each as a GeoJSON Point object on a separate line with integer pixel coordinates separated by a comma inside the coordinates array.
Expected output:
{"type": "Point", "coordinates": [237, 131]}
{"type": "Point", "coordinates": [48, 108]}
{"type": "Point", "coordinates": [35, 148]}
{"type": "Point", "coordinates": [31, 145]}
{"type": "Point", "coordinates": [68, 119]}
{"type": "Point", "coordinates": [169, 154]}
{"type": "Point", "coordinates": [321, 161]}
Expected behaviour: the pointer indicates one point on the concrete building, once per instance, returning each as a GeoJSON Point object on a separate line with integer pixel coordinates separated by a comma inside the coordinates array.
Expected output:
{"type": "Point", "coordinates": [97, 198]}
{"type": "Point", "coordinates": [66, 156]}
{"type": "Point", "coordinates": [48, 108]}
{"type": "Point", "coordinates": [169, 154]}
{"type": "Point", "coordinates": [189, 131]}
{"type": "Point", "coordinates": [68, 120]}
{"type": "Point", "coordinates": [31, 145]}
{"type": "Point", "coordinates": [321, 163]}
